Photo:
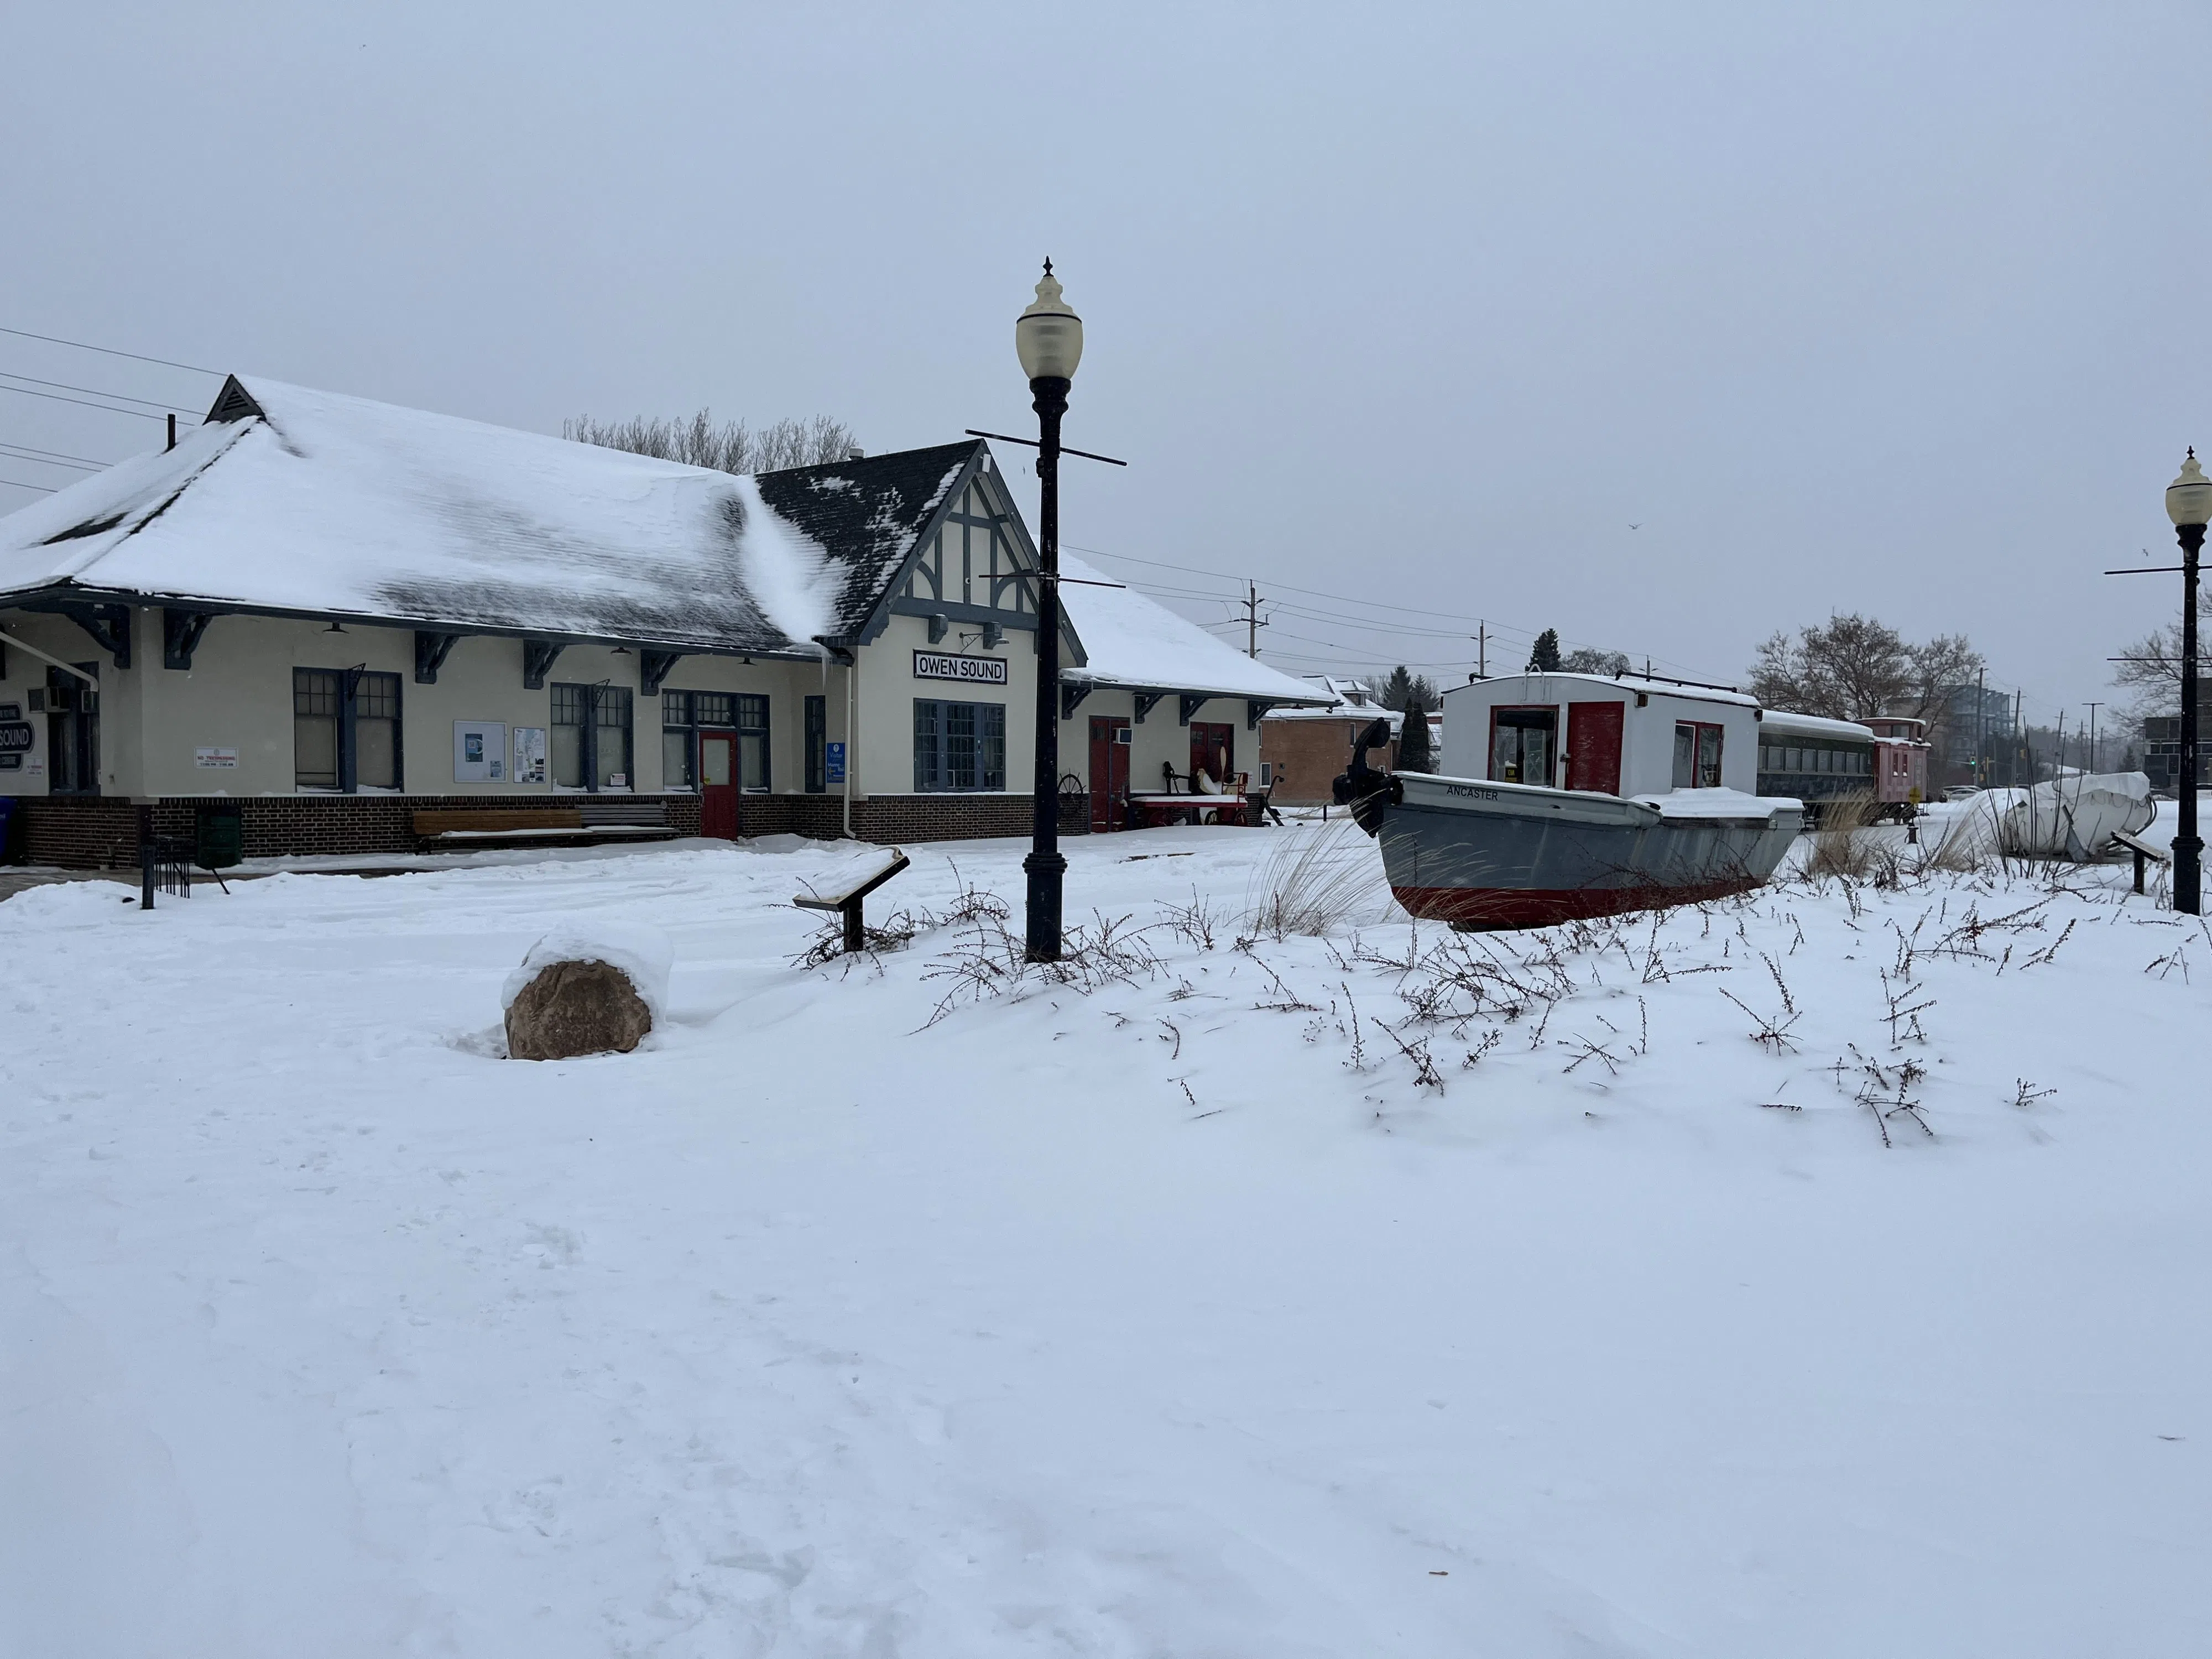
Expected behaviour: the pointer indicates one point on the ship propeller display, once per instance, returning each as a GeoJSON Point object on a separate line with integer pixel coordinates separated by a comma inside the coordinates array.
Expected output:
{"type": "Point", "coordinates": [1363, 788]}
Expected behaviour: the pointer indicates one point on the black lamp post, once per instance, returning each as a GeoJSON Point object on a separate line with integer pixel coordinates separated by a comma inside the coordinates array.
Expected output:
{"type": "Point", "coordinates": [1048, 338]}
{"type": "Point", "coordinates": [2189, 504]}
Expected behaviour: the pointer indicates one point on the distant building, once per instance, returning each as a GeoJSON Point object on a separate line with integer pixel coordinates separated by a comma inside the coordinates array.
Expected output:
{"type": "Point", "coordinates": [1303, 749]}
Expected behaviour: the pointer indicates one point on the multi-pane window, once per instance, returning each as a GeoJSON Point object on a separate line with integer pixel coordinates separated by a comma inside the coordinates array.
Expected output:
{"type": "Point", "coordinates": [316, 698]}
{"type": "Point", "coordinates": [679, 746]}
{"type": "Point", "coordinates": [612, 751]}
{"type": "Point", "coordinates": [684, 715]}
{"type": "Point", "coordinates": [817, 744]}
{"type": "Point", "coordinates": [591, 737]}
{"type": "Point", "coordinates": [345, 729]}
{"type": "Point", "coordinates": [958, 745]}
{"type": "Point", "coordinates": [752, 744]}
{"type": "Point", "coordinates": [376, 731]}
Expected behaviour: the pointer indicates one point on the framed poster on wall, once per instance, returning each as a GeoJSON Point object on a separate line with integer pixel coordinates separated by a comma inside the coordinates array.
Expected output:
{"type": "Point", "coordinates": [479, 751]}
{"type": "Point", "coordinates": [529, 746]}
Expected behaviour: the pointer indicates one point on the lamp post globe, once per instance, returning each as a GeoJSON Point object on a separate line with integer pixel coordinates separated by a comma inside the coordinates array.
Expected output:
{"type": "Point", "coordinates": [2189, 504]}
{"type": "Point", "coordinates": [1048, 340]}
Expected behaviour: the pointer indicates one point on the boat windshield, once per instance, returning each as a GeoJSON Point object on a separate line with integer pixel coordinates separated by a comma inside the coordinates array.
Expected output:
{"type": "Point", "coordinates": [1697, 756]}
{"type": "Point", "coordinates": [1521, 743]}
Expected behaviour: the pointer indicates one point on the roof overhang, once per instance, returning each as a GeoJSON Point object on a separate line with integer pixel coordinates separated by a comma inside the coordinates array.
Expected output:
{"type": "Point", "coordinates": [51, 599]}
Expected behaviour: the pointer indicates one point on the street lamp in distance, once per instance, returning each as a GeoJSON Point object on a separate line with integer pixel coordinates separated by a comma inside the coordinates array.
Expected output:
{"type": "Point", "coordinates": [1049, 339]}
{"type": "Point", "coordinates": [2189, 504]}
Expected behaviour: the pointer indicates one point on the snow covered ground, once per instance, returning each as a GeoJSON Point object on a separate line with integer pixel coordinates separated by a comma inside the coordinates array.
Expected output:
{"type": "Point", "coordinates": [1150, 1319]}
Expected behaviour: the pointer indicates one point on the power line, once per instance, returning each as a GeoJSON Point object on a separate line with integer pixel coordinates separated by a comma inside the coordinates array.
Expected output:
{"type": "Point", "coordinates": [15, 454]}
{"type": "Point", "coordinates": [1345, 599]}
{"type": "Point", "coordinates": [55, 339]}
{"type": "Point", "coordinates": [43, 489]}
{"type": "Point", "coordinates": [26, 392]}
{"type": "Point", "coordinates": [94, 392]}
{"type": "Point", "coordinates": [55, 455]}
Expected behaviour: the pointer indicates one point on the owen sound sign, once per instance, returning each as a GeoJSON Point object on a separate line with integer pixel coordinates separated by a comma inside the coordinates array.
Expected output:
{"type": "Point", "coordinates": [944, 666]}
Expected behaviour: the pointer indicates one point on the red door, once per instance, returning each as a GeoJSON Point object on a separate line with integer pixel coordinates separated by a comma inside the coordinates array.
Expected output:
{"type": "Point", "coordinates": [1110, 769]}
{"type": "Point", "coordinates": [1593, 746]}
{"type": "Point", "coordinates": [718, 784]}
{"type": "Point", "coordinates": [1213, 752]}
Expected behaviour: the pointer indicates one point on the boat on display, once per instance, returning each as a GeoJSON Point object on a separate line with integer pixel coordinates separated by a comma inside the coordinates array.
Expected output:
{"type": "Point", "coordinates": [1483, 854]}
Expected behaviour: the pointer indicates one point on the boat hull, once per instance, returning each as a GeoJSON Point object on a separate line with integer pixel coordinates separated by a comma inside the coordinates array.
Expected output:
{"type": "Point", "coordinates": [1487, 856]}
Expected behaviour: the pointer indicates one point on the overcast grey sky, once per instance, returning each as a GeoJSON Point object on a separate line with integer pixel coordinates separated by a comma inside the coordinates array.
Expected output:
{"type": "Point", "coordinates": [1893, 309]}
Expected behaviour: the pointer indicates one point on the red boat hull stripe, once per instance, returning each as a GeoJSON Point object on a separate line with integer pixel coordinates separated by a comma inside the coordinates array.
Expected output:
{"type": "Point", "coordinates": [1512, 906]}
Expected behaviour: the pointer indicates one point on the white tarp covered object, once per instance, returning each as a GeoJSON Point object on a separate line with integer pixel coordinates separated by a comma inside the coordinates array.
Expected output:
{"type": "Point", "coordinates": [2075, 816]}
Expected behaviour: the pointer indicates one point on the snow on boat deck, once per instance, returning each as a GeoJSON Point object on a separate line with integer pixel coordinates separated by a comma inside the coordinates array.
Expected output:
{"type": "Point", "coordinates": [1134, 1323]}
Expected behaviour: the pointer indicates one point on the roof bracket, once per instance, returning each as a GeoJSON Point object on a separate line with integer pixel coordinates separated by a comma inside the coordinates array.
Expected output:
{"type": "Point", "coordinates": [1255, 709]}
{"type": "Point", "coordinates": [1186, 706]}
{"type": "Point", "coordinates": [1072, 697]}
{"type": "Point", "coordinates": [1145, 701]}
{"type": "Point", "coordinates": [430, 652]}
{"type": "Point", "coordinates": [653, 667]}
{"type": "Point", "coordinates": [108, 624]}
{"type": "Point", "coordinates": [180, 635]}
{"type": "Point", "coordinates": [538, 657]}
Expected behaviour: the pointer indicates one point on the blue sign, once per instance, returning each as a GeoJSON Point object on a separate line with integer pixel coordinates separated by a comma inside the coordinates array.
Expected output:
{"type": "Point", "coordinates": [833, 757]}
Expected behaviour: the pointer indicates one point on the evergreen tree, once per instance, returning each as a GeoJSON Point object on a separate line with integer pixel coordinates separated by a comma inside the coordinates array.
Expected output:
{"type": "Point", "coordinates": [1545, 658]}
{"type": "Point", "coordinates": [1398, 690]}
{"type": "Point", "coordinates": [1415, 754]}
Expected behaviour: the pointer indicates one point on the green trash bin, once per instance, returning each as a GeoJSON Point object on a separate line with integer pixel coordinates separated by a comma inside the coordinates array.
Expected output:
{"type": "Point", "coordinates": [219, 838]}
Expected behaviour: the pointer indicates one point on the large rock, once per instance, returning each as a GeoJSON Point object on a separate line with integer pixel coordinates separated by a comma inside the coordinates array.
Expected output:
{"type": "Point", "coordinates": [573, 1008]}
{"type": "Point", "coordinates": [582, 990]}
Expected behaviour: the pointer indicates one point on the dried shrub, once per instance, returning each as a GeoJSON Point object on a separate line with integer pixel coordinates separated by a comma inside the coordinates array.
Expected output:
{"type": "Point", "coordinates": [1319, 879]}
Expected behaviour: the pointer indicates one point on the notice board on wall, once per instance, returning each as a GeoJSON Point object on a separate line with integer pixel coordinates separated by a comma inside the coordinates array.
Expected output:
{"type": "Point", "coordinates": [479, 751]}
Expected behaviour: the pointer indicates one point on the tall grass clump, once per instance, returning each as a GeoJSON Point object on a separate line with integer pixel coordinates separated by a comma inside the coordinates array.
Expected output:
{"type": "Point", "coordinates": [1320, 876]}
{"type": "Point", "coordinates": [1846, 843]}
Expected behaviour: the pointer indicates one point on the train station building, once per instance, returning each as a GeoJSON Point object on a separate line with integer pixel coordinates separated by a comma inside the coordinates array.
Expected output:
{"type": "Point", "coordinates": [355, 623]}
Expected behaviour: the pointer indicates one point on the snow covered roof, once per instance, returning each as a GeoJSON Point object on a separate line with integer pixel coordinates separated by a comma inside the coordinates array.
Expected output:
{"type": "Point", "coordinates": [1347, 699]}
{"type": "Point", "coordinates": [293, 499]}
{"type": "Point", "coordinates": [1652, 686]}
{"type": "Point", "coordinates": [1781, 722]}
{"type": "Point", "coordinates": [1131, 641]}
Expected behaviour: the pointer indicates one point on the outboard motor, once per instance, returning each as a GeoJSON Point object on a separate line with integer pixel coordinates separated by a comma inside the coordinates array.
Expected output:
{"type": "Point", "coordinates": [1364, 789]}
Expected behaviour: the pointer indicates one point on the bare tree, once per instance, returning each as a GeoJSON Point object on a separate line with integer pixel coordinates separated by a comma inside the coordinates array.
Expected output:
{"type": "Point", "coordinates": [733, 447]}
{"type": "Point", "coordinates": [1857, 667]}
{"type": "Point", "coordinates": [1587, 660]}
{"type": "Point", "coordinates": [2150, 669]}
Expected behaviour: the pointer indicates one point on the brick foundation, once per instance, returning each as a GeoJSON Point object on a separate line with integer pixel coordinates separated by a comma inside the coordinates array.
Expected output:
{"type": "Point", "coordinates": [89, 832]}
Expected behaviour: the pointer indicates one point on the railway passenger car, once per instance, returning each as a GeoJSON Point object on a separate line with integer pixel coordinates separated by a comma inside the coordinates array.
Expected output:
{"type": "Point", "coordinates": [1819, 760]}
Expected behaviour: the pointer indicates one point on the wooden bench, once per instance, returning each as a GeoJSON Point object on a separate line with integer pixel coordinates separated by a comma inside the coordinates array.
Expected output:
{"type": "Point", "coordinates": [586, 824]}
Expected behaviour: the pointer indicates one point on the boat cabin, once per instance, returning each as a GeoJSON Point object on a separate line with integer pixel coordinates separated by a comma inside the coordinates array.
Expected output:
{"type": "Point", "coordinates": [1624, 735]}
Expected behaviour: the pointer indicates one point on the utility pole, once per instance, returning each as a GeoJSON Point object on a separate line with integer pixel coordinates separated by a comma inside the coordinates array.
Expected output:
{"type": "Point", "coordinates": [1481, 649]}
{"type": "Point", "coordinates": [2094, 707]}
{"type": "Point", "coordinates": [1981, 727]}
{"type": "Point", "coordinates": [1252, 623]}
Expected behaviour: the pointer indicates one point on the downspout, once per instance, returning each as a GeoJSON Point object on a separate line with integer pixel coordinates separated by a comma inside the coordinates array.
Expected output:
{"type": "Point", "coordinates": [852, 733]}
